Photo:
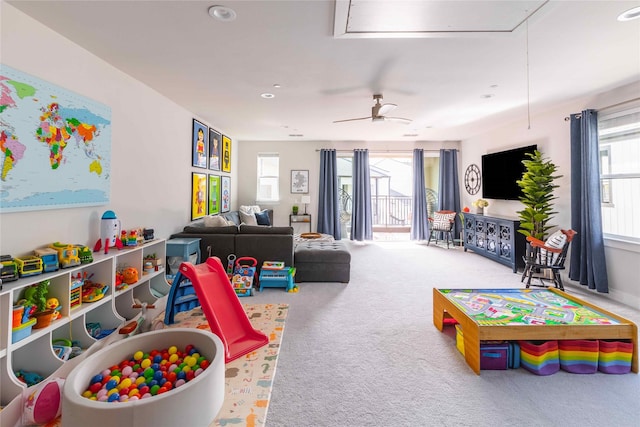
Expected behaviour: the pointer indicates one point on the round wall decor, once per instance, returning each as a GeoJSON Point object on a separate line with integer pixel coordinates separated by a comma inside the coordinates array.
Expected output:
{"type": "Point", "coordinates": [472, 179]}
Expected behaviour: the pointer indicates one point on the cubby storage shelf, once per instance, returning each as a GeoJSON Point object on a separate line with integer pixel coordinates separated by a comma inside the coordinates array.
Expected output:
{"type": "Point", "coordinates": [34, 353]}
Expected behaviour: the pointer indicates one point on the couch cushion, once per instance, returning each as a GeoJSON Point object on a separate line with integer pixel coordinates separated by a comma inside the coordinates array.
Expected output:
{"type": "Point", "coordinates": [215, 221]}
{"type": "Point", "coordinates": [248, 218]}
{"type": "Point", "coordinates": [262, 218]}
{"type": "Point", "coordinates": [260, 229]}
{"type": "Point", "coordinates": [232, 216]}
{"type": "Point", "coordinates": [252, 209]}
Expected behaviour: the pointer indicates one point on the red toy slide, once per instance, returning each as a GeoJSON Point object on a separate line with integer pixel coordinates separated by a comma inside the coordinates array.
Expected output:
{"type": "Point", "coordinates": [221, 306]}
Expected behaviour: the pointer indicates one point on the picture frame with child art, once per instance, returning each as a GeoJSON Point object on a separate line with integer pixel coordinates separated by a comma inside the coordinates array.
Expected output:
{"type": "Point", "coordinates": [198, 195]}
{"type": "Point", "coordinates": [215, 148]}
{"type": "Point", "coordinates": [199, 145]}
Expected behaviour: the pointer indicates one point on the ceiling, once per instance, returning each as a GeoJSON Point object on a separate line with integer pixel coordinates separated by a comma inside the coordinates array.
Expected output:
{"type": "Point", "coordinates": [467, 67]}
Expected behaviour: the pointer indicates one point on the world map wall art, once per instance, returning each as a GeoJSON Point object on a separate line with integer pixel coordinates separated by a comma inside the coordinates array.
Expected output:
{"type": "Point", "coordinates": [55, 146]}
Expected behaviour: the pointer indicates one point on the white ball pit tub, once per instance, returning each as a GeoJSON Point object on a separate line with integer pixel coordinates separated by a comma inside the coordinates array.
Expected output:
{"type": "Point", "coordinates": [194, 404]}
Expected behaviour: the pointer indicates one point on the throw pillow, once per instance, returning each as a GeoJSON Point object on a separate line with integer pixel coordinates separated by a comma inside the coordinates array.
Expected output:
{"type": "Point", "coordinates": [557, 241]}
{"type": "Point", "coordinates": [249, 219]}
{"type": "Point", "coordinates": [215, 221]}
{"type": "Point", "coordinates": [252, 209]}
{"type": "Point", "coordinates": [263, 218]}
{"type": "Point", "coordinates": [442, 221]}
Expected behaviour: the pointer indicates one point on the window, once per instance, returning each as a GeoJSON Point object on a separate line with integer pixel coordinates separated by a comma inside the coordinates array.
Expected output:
{"type": "Point", "coordinates": [268, 178]}
{"type": "Point", "coordinates": [619, 139]}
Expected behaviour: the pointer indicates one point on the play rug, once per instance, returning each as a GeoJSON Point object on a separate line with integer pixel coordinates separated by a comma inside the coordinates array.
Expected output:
{"type": "Point", "coordinates": [248, 379]}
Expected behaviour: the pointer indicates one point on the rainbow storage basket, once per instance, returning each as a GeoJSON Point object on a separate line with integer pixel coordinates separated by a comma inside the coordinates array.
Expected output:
{"type": "Point", "coordinates": [540, 357]}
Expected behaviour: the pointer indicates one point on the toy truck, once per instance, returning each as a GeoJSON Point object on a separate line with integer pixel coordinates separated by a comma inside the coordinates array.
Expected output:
{"type": "Point", "coordinates": [49, 259]}
{"type": "Point", "coordinates": [29, 265]}
{"type": "Point", "coordinates": [9, 271]}
{"type": "Point", "coordinates": [85, 255]}
{"type": "Point", "coordinates": [67, 254]}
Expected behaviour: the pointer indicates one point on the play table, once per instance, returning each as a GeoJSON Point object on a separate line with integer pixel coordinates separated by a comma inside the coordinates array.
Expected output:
{"type": "Point", "coordinates": [527, 314]}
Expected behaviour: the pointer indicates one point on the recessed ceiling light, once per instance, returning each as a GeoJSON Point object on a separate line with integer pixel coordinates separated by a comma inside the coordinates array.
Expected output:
{"type": "Point", "coordinates": [488, 95]}
{"type": "Point", "coordinates": [267, 95]}
{"type": "Point", "coordinates": [297, 135]}
{"type": "Point", "coordinates": [277, 86]}
{"type": "Point", "coordinates": [410, 134]}
{"type": "Point", "coordinates": [630, 14]}
{"type": "Point", "coordinates": [222, 13]}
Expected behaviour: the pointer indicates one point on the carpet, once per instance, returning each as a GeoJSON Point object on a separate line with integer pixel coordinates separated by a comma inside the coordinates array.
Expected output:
{"type": "Point", "coordinates": [248, 379]}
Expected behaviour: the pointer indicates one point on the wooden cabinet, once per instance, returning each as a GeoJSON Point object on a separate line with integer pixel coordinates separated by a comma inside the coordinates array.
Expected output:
{"type": "Point", "coordinates": [34, 352]}
{"type": "Point", "coordinates": [495, 238]}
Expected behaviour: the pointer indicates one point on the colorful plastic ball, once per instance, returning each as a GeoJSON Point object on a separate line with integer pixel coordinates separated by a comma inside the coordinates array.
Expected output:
{"type": "Point", "coordinates": [138, 355]}
{"type": "Point", "coordinates": [172, 350]}
{"type": "Point", "coordinates": [180, 382]}
{"type": "Point", "coordinates": [127, 370]}
{"type": "Point", "coordinates": [154, 390]}
{"type": "Point", "coordinates": [96, 379]}
{"type": "Point", "coordinates": [95, 387]}
{"type": "Point", "coordinates": [113, 397]}
{"type": "Point", "coordinates": [145, 363]}
{"type": "Point", "coordinates": [87, 393]}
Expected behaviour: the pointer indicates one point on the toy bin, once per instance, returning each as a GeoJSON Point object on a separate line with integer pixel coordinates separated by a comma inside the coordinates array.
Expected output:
{"type": "Point", "coordinates": [578, 356]}
{"type": "Point", "coordinates": [196, 403]}
{"type": "Point", "coordinates": [22, 331]}
{"type": "Point", "coordinates": [614, 357]}
{"type": "Point", "coordinates": [494, 355]}
{"type": "Point", "coordinates": [540, 357]}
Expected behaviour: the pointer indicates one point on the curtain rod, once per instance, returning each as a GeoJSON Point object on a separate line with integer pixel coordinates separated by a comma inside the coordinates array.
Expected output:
{"type": "Point", "coordinates": [566, 119]}
{"type": "Point", "coordinates": [389, 151]}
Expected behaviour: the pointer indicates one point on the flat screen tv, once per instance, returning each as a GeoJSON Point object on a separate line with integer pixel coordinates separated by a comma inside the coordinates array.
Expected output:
{"type": "Point", "coordinates": [501, 170]}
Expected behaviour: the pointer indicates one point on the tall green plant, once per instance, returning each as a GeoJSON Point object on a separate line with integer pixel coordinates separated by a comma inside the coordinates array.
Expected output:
{"type": "Point", "coordinates": [537, 195]}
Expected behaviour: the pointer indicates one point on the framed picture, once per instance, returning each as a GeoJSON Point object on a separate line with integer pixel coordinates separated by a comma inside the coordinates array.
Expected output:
{"type": "Point", "coordinates": [198, 195]}
{"type": "Point", "coordinates": [215, 145]}
{"type": "Point", "coordinates": [225, 194]}
{"type": "Point", "coordinates": [214, 195]}
{"type": "Point", "coordinates": [226, 154]}
{"type": "Point", "coordinates": [300, 181]}
{"type": "Point", "coordinates": [200, 146]}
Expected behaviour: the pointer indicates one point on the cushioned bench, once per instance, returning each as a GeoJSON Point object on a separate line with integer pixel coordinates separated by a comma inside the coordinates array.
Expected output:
{"type": "Point", "coordinates": [322, 262]}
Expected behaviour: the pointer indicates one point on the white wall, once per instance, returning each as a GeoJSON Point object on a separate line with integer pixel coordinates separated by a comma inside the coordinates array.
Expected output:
{"type": "Point", "coordinates": [551, 133]}
{"type": "Point", "coordinates": [304, 155]}
{"type": "Point", "coordinates": [151, 143]}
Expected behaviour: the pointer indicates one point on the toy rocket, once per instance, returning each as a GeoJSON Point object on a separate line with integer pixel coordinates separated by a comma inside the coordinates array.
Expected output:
{"type": "Point", "coordinates": [109, 232]}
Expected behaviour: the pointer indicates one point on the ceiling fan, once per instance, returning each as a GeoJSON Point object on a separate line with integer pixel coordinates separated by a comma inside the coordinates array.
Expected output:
{"type": "Point", "coordinates": [379, 113]}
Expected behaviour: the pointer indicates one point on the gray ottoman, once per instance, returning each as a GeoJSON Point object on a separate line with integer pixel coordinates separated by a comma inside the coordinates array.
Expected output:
{"type": "Point", "coordinates": [322, 262]}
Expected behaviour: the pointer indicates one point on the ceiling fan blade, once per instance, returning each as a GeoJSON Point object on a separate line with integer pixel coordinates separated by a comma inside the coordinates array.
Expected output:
{"type": "Point", "coordinates": [386, 109]}
{"type": "Point", "coordinates": [351, 120]}
{"type": "Point", "coordinates": [398, 119]}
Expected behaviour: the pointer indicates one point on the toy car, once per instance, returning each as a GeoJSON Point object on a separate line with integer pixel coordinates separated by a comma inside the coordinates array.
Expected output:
{"type": "Point", "coordinates": [29, 266]}
{"type": "Point", "coordinates": [49, 259]}
{"type": "Point", "coordinates": [85, 255]}
{"type": "Point", "coordinates": [9, 270]}
{"type": "Point", "coordinates": [67, 254]}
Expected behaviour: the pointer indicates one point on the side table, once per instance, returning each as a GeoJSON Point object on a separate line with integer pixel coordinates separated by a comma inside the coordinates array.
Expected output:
{"type": "Point", "coordinates": [300, 218]}
{"type": "Point", "coordinates": [184, 248]}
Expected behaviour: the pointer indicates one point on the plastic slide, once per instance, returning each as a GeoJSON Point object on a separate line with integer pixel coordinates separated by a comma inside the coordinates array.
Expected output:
{"type": "Point", "coordinates": [222, 308]}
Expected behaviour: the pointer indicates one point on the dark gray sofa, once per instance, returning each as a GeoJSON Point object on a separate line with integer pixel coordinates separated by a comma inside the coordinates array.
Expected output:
{"type": "Point", "coordinates": [264, 243]}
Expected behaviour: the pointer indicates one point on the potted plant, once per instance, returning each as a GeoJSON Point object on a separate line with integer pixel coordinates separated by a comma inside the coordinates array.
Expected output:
{"type": "Point", "coordinates": [294, 209]}
{"type": "Point", "coordinates": [537, 195]}
{"type": "Point", "coordinates": [36, 296]}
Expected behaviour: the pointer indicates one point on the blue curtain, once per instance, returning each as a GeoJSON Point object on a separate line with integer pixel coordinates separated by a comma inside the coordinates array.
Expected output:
{"type": "Point", "coordinates": [587, 263]}
{"type": "Point", "coordinates": [419, 222]}
{"type": "Point", "coordinates": [449, 197]}
{"type": "Point", "coordinates": [328, 207]}
{"type": "Point", "coordinates": [361, 218]}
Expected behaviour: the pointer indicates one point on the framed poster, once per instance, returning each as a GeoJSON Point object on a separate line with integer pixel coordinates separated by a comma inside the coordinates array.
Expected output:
{"type": "Point", "coordinates": [226, 154]}
{"type": "Point", "coordinates": [300, 181]}
{"type": "Point", "coordinates": [214, 195]}
{"type": "Point", "coordinates": [200, 146]}
{"type": "Point", "coordinates": [225, 194]}
{"type": "Point", "coordinates": [198, 195]}
{"type": "Point", "coordinates": [214, 150]}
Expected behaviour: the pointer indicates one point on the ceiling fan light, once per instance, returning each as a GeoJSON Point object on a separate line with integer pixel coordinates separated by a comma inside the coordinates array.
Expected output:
{"type": "Point", "coordinates": [630, 14]}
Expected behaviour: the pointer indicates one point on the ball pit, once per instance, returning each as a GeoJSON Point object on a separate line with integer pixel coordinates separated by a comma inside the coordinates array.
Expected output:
{"type": "Point", "coordinates": [92, 394]}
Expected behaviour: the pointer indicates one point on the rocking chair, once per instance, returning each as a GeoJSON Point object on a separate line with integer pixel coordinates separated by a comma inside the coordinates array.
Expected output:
{"type": "Point", "coordinates": [442, 222]}
{"type": "Point", "coordinates": [549, 256]}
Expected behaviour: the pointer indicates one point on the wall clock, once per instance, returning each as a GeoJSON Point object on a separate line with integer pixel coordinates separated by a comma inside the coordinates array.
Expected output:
{"type": "Point", "coordinates": [472, 179]}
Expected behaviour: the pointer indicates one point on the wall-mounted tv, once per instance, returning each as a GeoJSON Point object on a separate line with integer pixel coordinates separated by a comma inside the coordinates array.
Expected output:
{"type": "Point", "coordinates": [501, 170]}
